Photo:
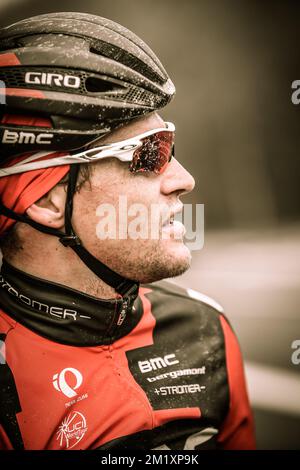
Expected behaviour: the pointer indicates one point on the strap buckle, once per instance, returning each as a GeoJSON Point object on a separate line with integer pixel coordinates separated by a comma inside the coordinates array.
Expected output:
{"type": "Point", "coordinates": [70, 240]}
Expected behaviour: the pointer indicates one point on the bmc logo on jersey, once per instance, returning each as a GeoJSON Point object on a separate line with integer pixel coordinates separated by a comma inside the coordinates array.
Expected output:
{"type": "Point", "coordinates": [157, 363]}
{"type": "Point", "coordinates": [60, 384]}
{"type": "Point", "coordinates": [21, 137]}
{"type": "Point", "coordinates": [52, 79]}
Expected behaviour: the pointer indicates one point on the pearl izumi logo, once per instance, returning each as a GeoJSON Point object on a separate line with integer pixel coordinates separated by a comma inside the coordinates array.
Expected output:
{"type": "Point", "coordinates": [60, 383]}
{"type": "Point", "coordinates": [72, 430]}
{"type": "Point", "coordinates": [52, 79]}
{"type": "Point", "coordinates": [21, 137]}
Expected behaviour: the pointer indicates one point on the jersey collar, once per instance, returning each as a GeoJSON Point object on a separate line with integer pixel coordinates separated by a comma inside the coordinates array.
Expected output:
{"type": "Point", "coordinates": [65, 315]}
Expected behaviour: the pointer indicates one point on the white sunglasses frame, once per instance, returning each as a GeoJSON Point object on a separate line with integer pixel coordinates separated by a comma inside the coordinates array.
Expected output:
{"type": "Point", "coordinates": [122, 150]}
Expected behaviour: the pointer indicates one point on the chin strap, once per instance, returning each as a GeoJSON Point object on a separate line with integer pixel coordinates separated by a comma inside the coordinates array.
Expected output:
{"type": "Point", "coordinates": [122, 285]}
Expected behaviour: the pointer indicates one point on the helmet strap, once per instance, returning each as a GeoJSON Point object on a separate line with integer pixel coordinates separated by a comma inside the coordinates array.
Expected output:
{"type": "Point", "coordinates": [122, 285]}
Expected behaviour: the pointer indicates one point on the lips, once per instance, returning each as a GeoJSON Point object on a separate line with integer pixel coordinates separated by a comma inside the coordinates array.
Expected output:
{"type": "Point", "coordinates": [169, 220]}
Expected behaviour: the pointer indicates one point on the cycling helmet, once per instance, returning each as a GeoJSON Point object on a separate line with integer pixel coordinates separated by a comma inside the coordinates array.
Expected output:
{"type": "Point", "coordinates": [87, 74]}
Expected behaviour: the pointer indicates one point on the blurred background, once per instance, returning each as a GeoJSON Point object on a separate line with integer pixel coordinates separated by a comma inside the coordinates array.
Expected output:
{"type": "Point", "coordinates": [233, 63]}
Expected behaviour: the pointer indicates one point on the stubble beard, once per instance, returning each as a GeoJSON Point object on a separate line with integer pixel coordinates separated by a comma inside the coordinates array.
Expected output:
{"type": "Point", "coordinates": [154, 263]}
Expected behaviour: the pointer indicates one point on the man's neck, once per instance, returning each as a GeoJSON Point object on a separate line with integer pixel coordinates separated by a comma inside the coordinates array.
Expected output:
{"type": "Point", "coordinates": [53, 262]}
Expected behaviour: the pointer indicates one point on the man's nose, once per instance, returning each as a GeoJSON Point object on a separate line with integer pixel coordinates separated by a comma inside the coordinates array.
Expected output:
{"type": "Point", "coordinates": [176, 179]}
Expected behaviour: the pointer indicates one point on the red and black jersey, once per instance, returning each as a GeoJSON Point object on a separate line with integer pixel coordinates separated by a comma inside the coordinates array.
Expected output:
{"type": "Point", "coordinates": [162, 370]}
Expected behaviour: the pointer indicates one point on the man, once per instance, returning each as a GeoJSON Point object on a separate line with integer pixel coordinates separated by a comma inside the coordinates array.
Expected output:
{"type": "Point", "coordinates": [92, 359]}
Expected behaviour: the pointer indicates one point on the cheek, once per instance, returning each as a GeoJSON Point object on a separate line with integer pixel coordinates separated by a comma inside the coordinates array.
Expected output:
{"type": "Point", "coordinates": [114, 199]}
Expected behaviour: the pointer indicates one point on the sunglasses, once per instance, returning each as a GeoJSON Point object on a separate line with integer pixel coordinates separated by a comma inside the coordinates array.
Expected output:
{"type": "Point", "coordinates": [147, 152]}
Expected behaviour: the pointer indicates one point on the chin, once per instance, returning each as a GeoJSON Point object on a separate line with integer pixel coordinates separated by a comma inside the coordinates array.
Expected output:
{"type": "Point", "coordinates": [148, 262]}
{"type": "Point", "coordinates": [171, 261]}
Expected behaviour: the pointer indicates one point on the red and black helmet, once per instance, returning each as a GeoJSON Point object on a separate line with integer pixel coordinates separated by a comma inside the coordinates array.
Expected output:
{"type": "Point", "coordinates": [84, 74]}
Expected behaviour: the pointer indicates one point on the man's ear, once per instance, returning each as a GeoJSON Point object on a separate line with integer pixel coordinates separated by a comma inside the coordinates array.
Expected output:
{"type": "Point", "coordinates": [50, 209]}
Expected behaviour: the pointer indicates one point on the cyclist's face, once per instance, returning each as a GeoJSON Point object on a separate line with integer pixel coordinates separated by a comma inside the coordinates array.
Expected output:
{"type": "Point", "coordinates": [124, 218]}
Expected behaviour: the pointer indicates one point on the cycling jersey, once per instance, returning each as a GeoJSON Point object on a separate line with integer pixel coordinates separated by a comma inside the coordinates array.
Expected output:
{"type": "Point", "coordinates": [160, 370]}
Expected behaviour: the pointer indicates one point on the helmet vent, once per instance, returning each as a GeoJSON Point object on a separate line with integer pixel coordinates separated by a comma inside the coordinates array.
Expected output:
{"type": "Point", "coordinates": [97, 85]}
{"type": "Point", "coordinates": [126, 58]}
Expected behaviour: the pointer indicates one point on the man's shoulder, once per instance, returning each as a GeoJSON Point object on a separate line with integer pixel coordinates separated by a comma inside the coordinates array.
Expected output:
{"type": "Point", "coordinates": [166, 292]}
{"type": "Point", "coordinates": [188, 318]}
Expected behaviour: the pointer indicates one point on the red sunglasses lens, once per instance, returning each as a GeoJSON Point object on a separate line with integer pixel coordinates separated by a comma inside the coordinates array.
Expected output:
{"type": "Point", "coordinates": [154, 154]}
